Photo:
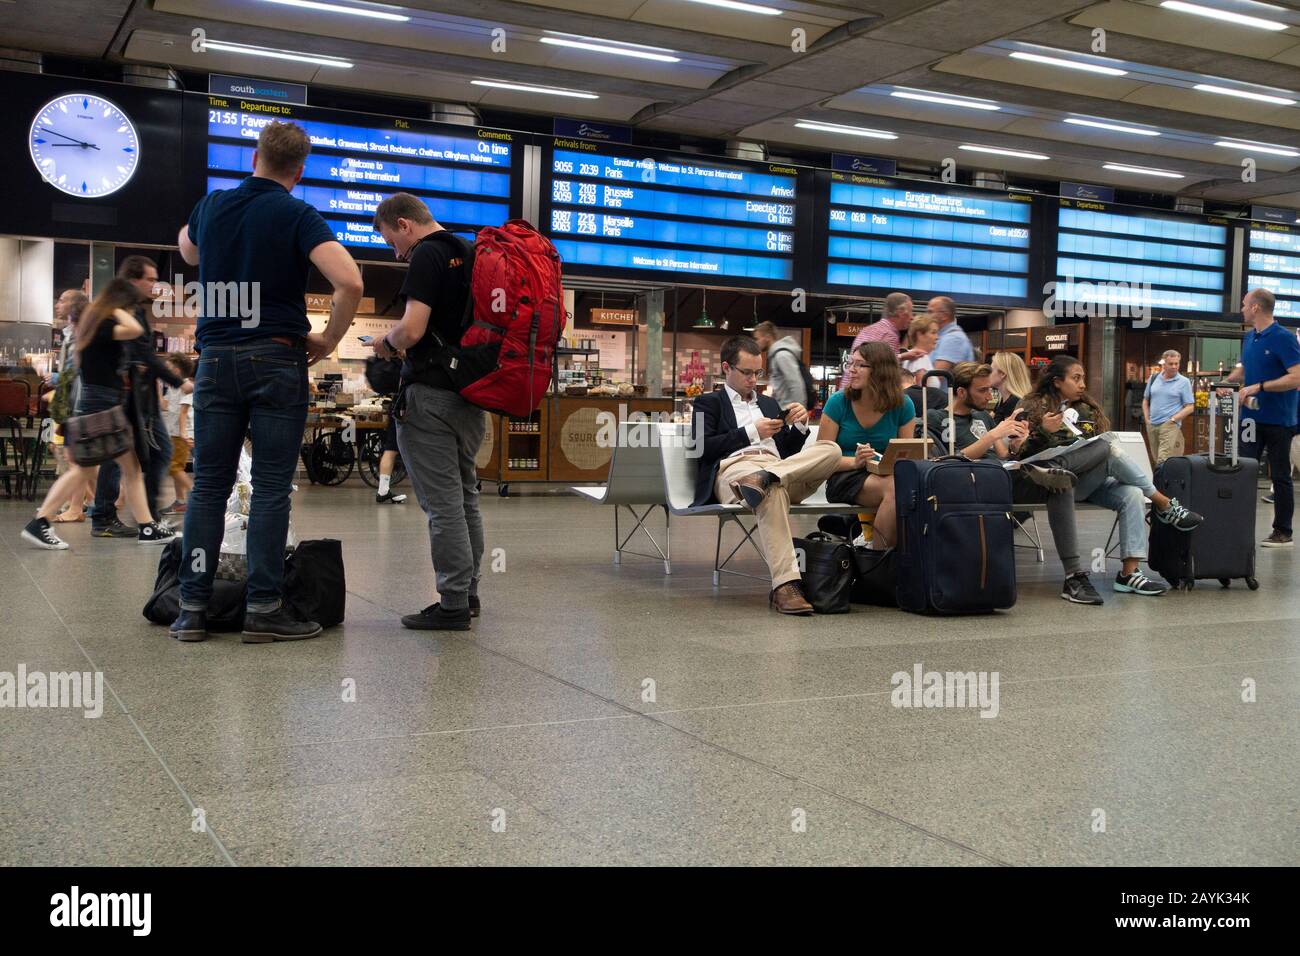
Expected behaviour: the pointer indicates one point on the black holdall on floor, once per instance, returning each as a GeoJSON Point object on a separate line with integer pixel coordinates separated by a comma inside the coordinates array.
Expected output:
{"type": "Point", "coordinates": [314, 588]}
{"type": "Point", "coordinates": [875, 577]}
{"type": "Point", "coordinates": [1222, 489]}
{"type": "Point", "coordinates": [827, 566]}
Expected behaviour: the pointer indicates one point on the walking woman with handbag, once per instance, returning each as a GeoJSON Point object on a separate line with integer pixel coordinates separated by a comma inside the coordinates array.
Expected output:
{"type": "Point", "coordinates": [100, 429]}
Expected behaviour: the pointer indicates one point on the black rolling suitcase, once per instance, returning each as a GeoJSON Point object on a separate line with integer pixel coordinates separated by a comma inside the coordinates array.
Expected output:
{"type": "Point", "coordinates": [1224, 491]}
{"type": "Point", "coordinates": [955, 551]}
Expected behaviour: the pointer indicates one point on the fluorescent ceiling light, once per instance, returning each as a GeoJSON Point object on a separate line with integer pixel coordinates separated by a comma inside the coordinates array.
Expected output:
{"type": "Point", "coordinates": [1238, 18]}
{"type": "Point", "coordinates": [1244, 94]}
{"type": "Point", "coordinates": [1004, 152]}
{"type": "Point", "coordinates": [225, 47]}
{"type": "Point", "coordinates": [1257, 148]}
{"type": "Point", "coordinates": [850, 130]}
{"type": "Point", "coordinates": [605, 46]}
{"type": "Point", "coordinates": [523, 88]}
{"type": "Point", "coordinates": [1142, 170]}
{"type": "Point", "coordinates": [743, 7]}
{"type": "Point", "coordinates": [335, 8]}
{"type": "Point", "coordinates": [945, 100]}
{"type": "Point", "coordinates": [1068, 64]}
{"type": "Point", "coordinates": [1137, 131]}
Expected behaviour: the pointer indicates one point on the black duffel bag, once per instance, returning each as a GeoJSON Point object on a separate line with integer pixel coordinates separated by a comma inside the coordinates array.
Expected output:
{"type": "Point", "coordinates": [827, 563]}
{"type": "Point", "coordinates": [875, 578]}
{"type": "Point", "coordinates": [314, 588]}
{"type": "Point", "coordinates": [225, 608]}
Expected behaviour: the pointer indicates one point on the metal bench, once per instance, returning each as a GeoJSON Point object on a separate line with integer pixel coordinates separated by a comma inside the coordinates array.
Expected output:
{"type": "Point", "coordinates": [679, 472]}
{"type": "Point", "coordinates": [636, 479]}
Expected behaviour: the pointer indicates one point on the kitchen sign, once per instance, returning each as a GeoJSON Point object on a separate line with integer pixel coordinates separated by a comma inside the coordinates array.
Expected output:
{"type": "Point", "coordinates": [613, 316]}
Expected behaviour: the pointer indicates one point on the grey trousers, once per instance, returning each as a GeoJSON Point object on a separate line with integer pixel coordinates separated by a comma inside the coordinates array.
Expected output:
{"type": "Point", "coordinates": [439, 438]}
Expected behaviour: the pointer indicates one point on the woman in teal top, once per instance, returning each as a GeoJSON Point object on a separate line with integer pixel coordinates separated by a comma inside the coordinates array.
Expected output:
{"type": "Point", "coordinates": [862, 419]}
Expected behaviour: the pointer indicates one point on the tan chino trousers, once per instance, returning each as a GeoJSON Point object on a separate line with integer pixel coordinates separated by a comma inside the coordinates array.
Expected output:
{"type": "Point", "coordinates": [1166, 440]}
{"type": "Point", "coordinates": [800, 475]}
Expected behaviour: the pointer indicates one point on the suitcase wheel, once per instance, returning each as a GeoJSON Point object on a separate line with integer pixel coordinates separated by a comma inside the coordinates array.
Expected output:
{"type": "Point", "coordinates": [1252, 584]}
{"type": "Point", "coordinates": [1226, 582]}
{"type": "Point", "coordinates": [1188, 584]}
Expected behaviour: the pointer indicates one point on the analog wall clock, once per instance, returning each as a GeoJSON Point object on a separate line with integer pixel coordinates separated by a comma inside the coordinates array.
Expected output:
{"type": "Point", "coordinates": [84, 145]}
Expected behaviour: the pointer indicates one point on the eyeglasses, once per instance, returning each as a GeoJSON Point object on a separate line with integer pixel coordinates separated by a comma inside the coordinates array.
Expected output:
{"type": "Point", "coordinates": [758, 374]}
{"type": "Point", "coordinates": [852, 365]}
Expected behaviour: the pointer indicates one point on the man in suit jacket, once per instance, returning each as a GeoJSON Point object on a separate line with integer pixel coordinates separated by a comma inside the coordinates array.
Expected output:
{"type": "Point", "coordinates": [754, 453]}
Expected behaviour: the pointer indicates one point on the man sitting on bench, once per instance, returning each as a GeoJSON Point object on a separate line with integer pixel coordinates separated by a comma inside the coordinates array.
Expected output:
{"type": "Point", "coordinates": [753, 453]}
{"type": "Point", "coordinates": [975, 436]}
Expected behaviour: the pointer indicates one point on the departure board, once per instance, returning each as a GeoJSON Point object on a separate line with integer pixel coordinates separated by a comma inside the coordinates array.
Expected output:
{"type": "Point", "coordinates": [1132, 259]}
{"type": "Point", "coordinates": [1273, 262]}
{"type": "Point", "coordinates": [645, 213]}
{"type": "Point", "coordinates": [883, 235]}
{"type": "Point", "coordinates": [468, 176]}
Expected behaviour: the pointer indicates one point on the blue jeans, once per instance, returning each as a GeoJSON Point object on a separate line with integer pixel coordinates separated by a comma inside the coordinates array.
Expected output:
{"type": "Point", "coordinates": [258, 389]}
{"type": "Point", "coordinates": [1121, 486]}
{"type": "Point", "coordinates": [1277, 439]}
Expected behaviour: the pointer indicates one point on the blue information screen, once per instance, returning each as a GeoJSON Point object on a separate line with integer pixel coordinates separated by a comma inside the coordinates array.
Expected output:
{"type": "Point", "coordinates": [885, 235]}
{"type": "Point", "coordinates": [1273, 262]}
{"type": "Point", "coordinates": [1119, 257]}
{"type": "Point", "coordinates": [466, 177]}
{"type": "Point", "coordinates": [612, 208]}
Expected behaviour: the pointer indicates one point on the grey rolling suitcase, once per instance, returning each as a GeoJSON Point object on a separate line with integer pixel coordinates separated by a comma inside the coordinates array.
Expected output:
{"type": "Point", "coordinates": [1221, 488]}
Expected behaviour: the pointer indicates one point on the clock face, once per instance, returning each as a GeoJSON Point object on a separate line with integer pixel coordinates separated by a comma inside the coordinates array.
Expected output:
{"type": "Point", "coordinates": [84, 145]}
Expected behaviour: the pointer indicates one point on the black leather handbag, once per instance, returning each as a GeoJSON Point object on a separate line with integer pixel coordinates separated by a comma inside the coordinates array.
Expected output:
{"type": "Point", "coordinates": [827, 566]}
{"type": "Point", "coordinates": [98, 437]}
{"type": "Point", "coordinates": [875, 578]}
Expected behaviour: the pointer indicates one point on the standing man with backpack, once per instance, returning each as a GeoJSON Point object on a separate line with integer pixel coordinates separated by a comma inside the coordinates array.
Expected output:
{"type": "Point", "coordinates": [438, 431]}
{"type": "Point", "coordinates": [791, 383]}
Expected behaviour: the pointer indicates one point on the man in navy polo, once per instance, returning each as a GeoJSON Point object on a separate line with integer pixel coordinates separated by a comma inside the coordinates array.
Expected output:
{"type": "Point", "coordinates": [1270, 369]}
{"type": "Point", "coordinates": [254, 246]}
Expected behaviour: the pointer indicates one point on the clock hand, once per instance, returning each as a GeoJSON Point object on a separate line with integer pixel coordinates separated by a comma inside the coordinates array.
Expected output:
{"type": "Point", "coordinates": [46, 129]}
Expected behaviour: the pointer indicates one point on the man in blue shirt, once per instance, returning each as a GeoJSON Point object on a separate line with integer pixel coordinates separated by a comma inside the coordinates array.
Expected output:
{"type": "Point", "coordinates": [1166, 402]}
{"type": "Point", "coordinates": [954, 345]}
{"type": "Point", "coordinates": [254, 246]}
{"type": "Point", "coordinates": [1270, 369]}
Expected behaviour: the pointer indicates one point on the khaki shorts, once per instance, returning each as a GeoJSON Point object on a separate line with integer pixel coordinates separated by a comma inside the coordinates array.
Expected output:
{"type": "Point", "coordinates": [180, 455]}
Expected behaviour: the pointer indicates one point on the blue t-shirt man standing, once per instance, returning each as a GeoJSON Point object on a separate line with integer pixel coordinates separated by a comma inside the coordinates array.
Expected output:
{"type": "Point", "coordinates": [1270, 371]}
{"type": "Point", "coordinates": [254, 246]}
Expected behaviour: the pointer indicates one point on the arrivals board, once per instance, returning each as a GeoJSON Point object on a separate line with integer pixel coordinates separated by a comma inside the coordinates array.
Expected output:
{"type": "Point", "coordinates": [615, 210]}
{"type": "Point", "coordinates": [1273, 262]}
{"type": "Point", "coordinates": [1130, 258]}
{"type": "Point", "coordinates": [468, 176]}
{"type": "Point", "coordinates": [881, 235]}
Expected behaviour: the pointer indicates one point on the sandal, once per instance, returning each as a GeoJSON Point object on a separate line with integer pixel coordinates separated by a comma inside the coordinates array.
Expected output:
{"type": "Point", "coordinates": [69, 516]}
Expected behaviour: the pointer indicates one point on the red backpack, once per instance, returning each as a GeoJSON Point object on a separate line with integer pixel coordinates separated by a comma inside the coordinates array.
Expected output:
{"type": "Point", "coordinates": [513, 320]}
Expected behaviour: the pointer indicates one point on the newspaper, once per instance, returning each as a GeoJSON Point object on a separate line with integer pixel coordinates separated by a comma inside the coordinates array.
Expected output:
{"type": "Point", "coordinates": [1047, 454]}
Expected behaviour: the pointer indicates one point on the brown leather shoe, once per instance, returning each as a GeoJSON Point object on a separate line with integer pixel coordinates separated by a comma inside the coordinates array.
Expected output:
{"type": "Point", "coordinates": [752, 489]}
{"type": "Point", "coordinates": [788, 599]}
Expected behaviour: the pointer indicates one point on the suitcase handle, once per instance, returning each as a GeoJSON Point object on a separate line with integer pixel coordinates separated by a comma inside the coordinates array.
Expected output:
{"type": "Point", "coordinates": [925, 412]}
{"type": "Point", "coordinates": [1235, 388]}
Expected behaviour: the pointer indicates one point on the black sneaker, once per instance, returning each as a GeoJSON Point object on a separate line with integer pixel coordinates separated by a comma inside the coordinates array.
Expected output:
{"type": "Point", "coordinates": [436, 618]}
{"type": "Point", "coordinates": [38, 532]}
{"type": "Point", "coordinates": [1138, 583]}
{"type": "Point", "coordinates": [474, 606]}
{"type": "Point", "coordinates": [278, 625]}
{"type": "Point", "coordinates": [390, 499]}
{"type": "Point", "coordinates": [1268, 499]}
{"type": "Point", "coordinates": [1278, 539]}
{"type": "Point", "coordinates": [190, 626]}
{"type": "Point", "coordinates": [1079, 590]}
{"type": "Point", "coordinates": [114, 529]}
{"type": "Point", "coordinates": [1179, 517]}
{"type": "Point", "coordinates": [155, 533]}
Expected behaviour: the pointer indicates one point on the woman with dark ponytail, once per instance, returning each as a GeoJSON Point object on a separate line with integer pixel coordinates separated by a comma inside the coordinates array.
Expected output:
{"type": "Point", "coordinates": [1060, 412]}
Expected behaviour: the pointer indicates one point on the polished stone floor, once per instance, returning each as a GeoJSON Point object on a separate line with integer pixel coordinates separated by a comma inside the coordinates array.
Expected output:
{"type": "Point", "coordinates": [603, 714]}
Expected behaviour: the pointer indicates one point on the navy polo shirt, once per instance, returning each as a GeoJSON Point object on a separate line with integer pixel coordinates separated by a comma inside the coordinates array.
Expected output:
{"type": "Point", "coordinates": [255, 233]}
{"type": "Point", "coordinates": [1265, 356]}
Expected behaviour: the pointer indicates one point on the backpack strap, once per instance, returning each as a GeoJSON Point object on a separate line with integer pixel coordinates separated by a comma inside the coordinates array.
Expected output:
{"type": "Point", "coordinates": [466, 251]}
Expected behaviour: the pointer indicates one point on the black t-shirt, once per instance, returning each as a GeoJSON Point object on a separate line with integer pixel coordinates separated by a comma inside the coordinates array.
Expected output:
{"type": "Point", "coordinates": [1005, 408]}
{"type": "Point", "coordinates": [967, 430]}
{"type": "Point", "coordinates": [100, 360]}
{"type": "Point", "coordinates": [437, 278]}
{"type": "Point", "coordinates": [259, 237]}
